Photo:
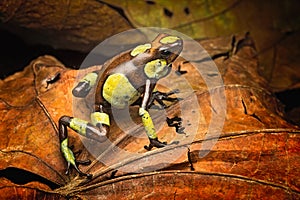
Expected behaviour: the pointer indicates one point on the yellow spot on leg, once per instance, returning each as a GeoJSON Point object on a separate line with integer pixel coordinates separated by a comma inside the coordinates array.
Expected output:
{"type": "Point", "coordinates": [98, 117]}
{"type": "Point", "coordinates": [90, 78]}
{"type": "Point", "coordinates": [148, 124]}
{"type": "Point", "coordinates": [67, 152]}
{"type": "Point", "coordinates": [79, 125]}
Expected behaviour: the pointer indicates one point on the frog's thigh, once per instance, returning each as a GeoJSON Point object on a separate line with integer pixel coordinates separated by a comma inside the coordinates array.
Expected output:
{"type": "Point", "coordinates": [118, 91]}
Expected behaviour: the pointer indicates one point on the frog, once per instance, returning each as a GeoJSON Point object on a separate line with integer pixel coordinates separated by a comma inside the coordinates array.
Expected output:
{"type": "Point", "coordinates": [128, 78]}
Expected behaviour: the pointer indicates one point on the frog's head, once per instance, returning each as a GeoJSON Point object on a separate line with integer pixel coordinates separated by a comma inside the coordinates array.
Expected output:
{"type": "Point", "coordinates": [157, 57]}
{"type": "Point", "coordinates": [167, 47]}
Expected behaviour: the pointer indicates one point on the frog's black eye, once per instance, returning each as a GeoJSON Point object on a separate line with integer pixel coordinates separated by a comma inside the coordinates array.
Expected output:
{"type": "Point", "coordinates": [165, 52]}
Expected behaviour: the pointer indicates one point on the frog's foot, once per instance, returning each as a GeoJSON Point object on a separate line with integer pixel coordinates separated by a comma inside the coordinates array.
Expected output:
{"type": "Point", "coordinates": [164, 96]}
{"type": "Point", "coordinates": [177, 123]}
{"type": "Point", "coordinates": [81, 162]}
{"type": "Point", "coordinates": [155, 143]}
{"type": "Point", "coordinates": [70, 158]}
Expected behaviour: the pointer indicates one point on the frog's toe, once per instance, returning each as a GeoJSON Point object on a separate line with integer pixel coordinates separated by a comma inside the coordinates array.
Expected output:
{"type": "Point", "coordinates": [148, 148]}
{"type": "Point", "coordinates": [155, 143]}
{"type": "Point", "coordinates": [84, 162]}
{"type": "Point", "coordinates": [82, 173]}
{"type": "Point", "coordinates": [68, 168]}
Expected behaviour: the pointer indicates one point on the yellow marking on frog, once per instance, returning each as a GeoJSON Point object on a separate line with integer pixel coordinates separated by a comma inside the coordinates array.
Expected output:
{"type": "Point", "coordinates": [156, 69]}
{"type": "Point", "coordinates": [140, 49]}
{"type": "Point", "coordinates": [90, 78]}
{"type": "Point", "coordinates": [68, 154]}
{"type": "Point", "coordinates": [79, 125]}
{"type": "Point", "coordinates": [98, 117]}
{"type": "Point", "coordinates": [169, 39]}
{"type": "Point", "coordinates": [148, 123]}
{"type": "Point", "coordinates": [118, 91]}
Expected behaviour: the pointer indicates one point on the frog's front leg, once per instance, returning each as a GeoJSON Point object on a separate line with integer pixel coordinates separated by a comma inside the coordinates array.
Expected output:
{"type": "Point", "coordinates": [150, 130]}
{"type": "Point", "coordinates": [147, 120]}
{"type": "Point", "coordinates": [96, 130]}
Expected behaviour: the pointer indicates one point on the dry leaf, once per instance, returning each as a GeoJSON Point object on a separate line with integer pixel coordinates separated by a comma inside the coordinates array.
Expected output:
{"type": "Point", "coordinates": [253, 154]}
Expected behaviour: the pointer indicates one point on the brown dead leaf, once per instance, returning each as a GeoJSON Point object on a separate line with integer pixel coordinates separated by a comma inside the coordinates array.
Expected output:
{"type": "Point", "coordinates": [77, 25]}
{"type": "Point", "coordinates": [26, 130]}
{"type": "Point", "coordinates": [254, 152]}
{"type": "Point", "coordinates": [33, 190]}
{"type": "Point", "coordinates": [185, 185]}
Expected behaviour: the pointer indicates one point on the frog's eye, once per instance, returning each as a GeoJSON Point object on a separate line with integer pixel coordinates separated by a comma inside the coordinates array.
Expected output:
{"type": "Point", "coordinates": [170, 45]}
{"type": "Point", "coordinates": [165, 52]}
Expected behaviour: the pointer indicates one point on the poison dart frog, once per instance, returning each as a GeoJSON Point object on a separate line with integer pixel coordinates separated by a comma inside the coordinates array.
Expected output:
{"type": "Point", "coordinates": [127, 78]}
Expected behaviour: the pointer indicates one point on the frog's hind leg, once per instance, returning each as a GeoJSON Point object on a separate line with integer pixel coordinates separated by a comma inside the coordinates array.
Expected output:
{"type": "Point", "coordinates": [97, 131]}
{"type": "Point", "coordinates": [74, 163]}
{"type": "Point", "coordinates": [69, 156]}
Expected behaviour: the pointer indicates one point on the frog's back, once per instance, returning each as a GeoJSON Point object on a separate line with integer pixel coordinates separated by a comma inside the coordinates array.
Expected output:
{"type": "Point", "coordinates": [120, 82]}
